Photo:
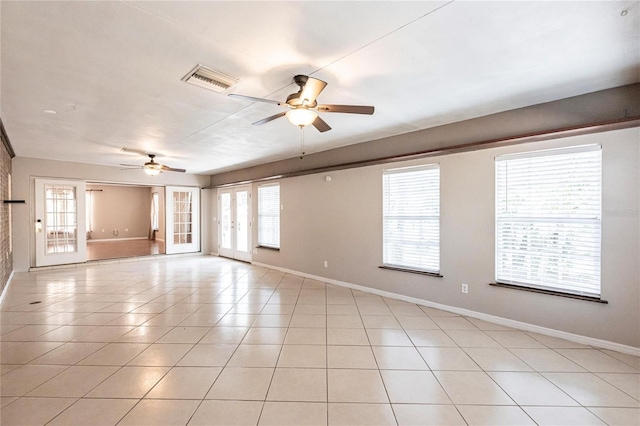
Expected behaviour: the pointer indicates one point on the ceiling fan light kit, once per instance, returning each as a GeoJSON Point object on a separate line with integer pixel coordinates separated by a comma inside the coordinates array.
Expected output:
{"type": "Point", "coordinates": [152, 171]}
{"type": "Point", "coordinates": [303, 107]}
{"type": "Point", "coordinates": [301, 116]}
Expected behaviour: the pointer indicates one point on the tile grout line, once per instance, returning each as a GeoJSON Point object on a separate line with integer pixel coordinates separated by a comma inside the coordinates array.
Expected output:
{"type": "Point", "coordinates": [266, 395]}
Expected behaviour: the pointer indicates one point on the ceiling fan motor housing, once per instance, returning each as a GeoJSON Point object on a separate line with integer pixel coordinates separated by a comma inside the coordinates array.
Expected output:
{"type": "Point", "coordinates": [294, 98]}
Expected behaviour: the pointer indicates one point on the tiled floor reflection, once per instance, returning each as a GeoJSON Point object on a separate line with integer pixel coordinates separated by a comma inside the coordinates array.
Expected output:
{"type": "Point", "coordinates": [208, 341]}
{"type": "Point", "coordinates": [99, 250]}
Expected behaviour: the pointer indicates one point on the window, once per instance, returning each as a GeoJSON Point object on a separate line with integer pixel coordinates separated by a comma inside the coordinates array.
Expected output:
{"type": "Point", "coordinates": [269, 216]}
{"type": "Point", "coordinates": [411, 218]}
{"type": "Point", "coordinates": [61, 224]}
{"type": "Point", "coordinates": [548, 211]}
{"type": "Point", "coordinates": [155, 223]}
{"type": "Point", "coordinates": [182, 217]}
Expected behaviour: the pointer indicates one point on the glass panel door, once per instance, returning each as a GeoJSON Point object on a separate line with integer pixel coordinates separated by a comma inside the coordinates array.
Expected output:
{"type": "Point", "coordinates": [234, 227]}
{"type": "Point", "coordinates": [61, 219]}
{"type": "Point", "coordinates": [183, 220]}
{"type": "Point", "coordinates": [60, 226]}
{"type": "Point", "coordinates": [242, 221]}
{"type": "Point", "coordinates": [225, 215]}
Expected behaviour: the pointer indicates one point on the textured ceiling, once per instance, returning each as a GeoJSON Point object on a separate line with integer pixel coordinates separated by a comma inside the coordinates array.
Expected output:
{"type": "Point", "coordinates": [112, 71]}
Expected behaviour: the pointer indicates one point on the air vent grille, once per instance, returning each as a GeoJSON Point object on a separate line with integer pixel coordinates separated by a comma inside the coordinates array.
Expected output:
{"type": "Point", "coordinates": [207, 78]}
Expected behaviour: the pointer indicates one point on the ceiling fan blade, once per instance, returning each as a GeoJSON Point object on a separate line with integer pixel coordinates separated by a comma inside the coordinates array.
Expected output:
{"type": "Point", "coordinates": [251, 98]}
{"type": "Point", "coordinates": [320, 124]}
{"type": "Point", "coordinates": [347, 109]}
{"type": "Point", "coordinates": [171, 169]}
{"type": "Point", "coordinates": [268, 119]}
{"type": "Point", "coordinates": [132, 165]}
{"type": "Point", "coordinates": [136, 151]}
{"type": "Point", "coordinates": [311, 90]}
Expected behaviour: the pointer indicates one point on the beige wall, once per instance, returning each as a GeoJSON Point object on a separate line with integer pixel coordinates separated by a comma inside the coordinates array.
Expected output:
{"type": "Point", "coordinates": [341, 221]}
{"type": "Point", "coordinates": [208, 221]}
{"type": "Point", "coordinates": [25, 170]}
{"type": "Point", "coordinates": [125, 210]}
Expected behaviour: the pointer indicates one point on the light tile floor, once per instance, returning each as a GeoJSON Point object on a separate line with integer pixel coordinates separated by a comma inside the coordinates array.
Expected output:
{"type": "Point", "coordinates": [208, 341]}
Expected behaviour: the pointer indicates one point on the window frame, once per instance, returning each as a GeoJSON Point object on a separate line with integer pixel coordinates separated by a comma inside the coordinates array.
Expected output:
{"type": "Point", "coordinates": [562, 288]}
{"type": "Point", "coordinates": [155, 211]}
{"type": "Point", "coordinates": [261, 242]}
{"type": "Point", "coordinates": [387, 263]}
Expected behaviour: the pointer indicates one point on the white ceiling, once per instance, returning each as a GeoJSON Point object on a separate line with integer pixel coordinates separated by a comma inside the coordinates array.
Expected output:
{"type": "Point", "coordinates": [112, 71]}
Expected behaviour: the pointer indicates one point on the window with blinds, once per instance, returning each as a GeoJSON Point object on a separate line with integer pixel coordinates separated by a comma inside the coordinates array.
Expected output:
{"type": "Point", "coordinates": [269, 216]}
{"type": "Point", "coordinates": [411, 218]}
{"type": "Point", "coordinates": [548, 219]}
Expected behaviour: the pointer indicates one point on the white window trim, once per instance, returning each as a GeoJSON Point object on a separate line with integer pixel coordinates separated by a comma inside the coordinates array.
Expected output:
{"type": "Point", "coordinates": [405, 267]}
{"type": "Point", "coordinates": [594, 220]}
{"type": "Point", "coordinates": [261, 242]}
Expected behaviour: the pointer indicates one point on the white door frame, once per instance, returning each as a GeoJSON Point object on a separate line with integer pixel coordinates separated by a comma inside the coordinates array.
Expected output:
{"type": "Point", "coordinates": [173, 244]}
{"type": "Point", "coordinates": [79, 255]}
{"type": "Point", "coordinates": [233, 251]}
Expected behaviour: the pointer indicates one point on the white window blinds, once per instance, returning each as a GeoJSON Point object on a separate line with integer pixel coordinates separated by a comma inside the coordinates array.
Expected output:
{"type": "Point", "coordinates": [269, 215]}
{"type": "Point", "coordinates": [411, 218]}
{"type": "Point", "coordinates": [548, 211]}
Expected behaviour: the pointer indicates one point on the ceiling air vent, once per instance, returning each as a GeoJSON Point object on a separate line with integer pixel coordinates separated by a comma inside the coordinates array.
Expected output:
{"type": "Point", "coordinates": [207, 78]}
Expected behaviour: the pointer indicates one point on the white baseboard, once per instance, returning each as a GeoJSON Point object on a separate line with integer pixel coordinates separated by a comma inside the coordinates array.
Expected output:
{"type": "Point", "coordinates": [100, 240]}
{"type": "Point", "coordinates": [160, 239]}
{"type": "Point", "coordinates": [6, 287]}
{"type": "Point", "coordinates": [605, 344]}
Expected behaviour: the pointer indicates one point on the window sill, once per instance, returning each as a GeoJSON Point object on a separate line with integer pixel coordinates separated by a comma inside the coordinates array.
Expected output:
{"type": "Point", "coordinates": [269, 248]}
{"type": "Point", "coordinates": [411, 271]}
{"type": "Point", "coordinates": [550, 292]}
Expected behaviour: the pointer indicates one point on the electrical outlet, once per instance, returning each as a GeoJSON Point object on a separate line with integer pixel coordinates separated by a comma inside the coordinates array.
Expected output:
{"type": "Point", "coordinates": [465, 288]}
{"type": "Point", "coordinates": [326, 264]}
{"type": "Point", "coordinates": [126, 229]}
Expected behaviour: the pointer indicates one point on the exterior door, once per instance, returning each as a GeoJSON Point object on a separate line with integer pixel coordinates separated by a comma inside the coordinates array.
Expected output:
{"type": "Point", "coordinates": [182, 231]}
{"type": "Point", "coordinates": [234, 227]}
{"type": "Point", "coordinates": [60, 228]}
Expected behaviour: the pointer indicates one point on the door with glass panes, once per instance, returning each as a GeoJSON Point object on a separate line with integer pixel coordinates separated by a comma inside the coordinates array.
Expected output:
{"type": "Point", "coordinates": [60, 228]}
{"type": "Point", "coordinates": [234, 223]}
{"type": "Point", "coordinates": [182, 220]}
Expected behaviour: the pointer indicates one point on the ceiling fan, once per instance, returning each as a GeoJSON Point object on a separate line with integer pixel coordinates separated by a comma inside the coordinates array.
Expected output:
{"type": "Point", "coordinates": [303, 107]}
{"type": "Point", "coordinates": [150, 167]}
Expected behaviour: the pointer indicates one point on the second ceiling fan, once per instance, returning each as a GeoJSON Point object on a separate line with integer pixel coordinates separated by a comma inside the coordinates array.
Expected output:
{"type": "Point", "coordinates": [303, 107]}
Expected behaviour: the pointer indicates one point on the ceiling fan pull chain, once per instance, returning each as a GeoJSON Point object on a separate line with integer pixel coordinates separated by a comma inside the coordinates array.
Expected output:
{"type": "Point", "coordinates": [301, 142]}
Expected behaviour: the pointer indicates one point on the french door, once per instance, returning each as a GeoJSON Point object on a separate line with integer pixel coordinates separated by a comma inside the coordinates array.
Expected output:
{"type": "Point", "coordinates": [60, 228]}
{"type": "Point", "coordinates": [182, 232]}
{"type": "Point", "coordinates": [234, 226]}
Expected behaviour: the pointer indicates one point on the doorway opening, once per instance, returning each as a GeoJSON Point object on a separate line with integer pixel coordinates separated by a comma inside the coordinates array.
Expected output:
{"type": "Point", "coordinates": [124, 221]}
